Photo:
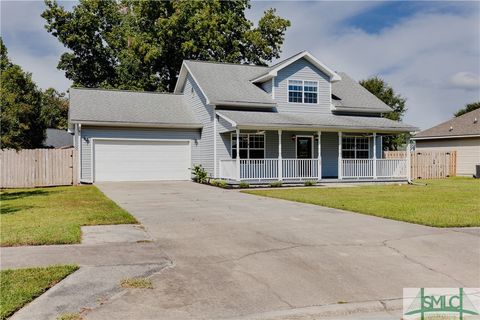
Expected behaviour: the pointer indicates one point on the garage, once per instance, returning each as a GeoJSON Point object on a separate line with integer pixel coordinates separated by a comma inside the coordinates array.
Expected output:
{"type": "Point", "coordinates": [141, 160]}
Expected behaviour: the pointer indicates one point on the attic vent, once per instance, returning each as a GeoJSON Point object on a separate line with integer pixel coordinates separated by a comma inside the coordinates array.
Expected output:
{"type": "Point", "coordinates": [475, 120]}
{"type": "Point", "coordinates": [451, 128]}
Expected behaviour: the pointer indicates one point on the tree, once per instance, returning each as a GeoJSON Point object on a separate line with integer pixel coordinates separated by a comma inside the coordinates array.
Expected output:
{"type": "Point", "coordinates": [468, 107]}
{"type": "Point", "coordinates": [54, 112]}
{"type": "Point", "coordinates": [132, 44]}
{"type": "Point", "coordinates": [20, 103]}
{"type": "Point", "coordinates": [385, 92]}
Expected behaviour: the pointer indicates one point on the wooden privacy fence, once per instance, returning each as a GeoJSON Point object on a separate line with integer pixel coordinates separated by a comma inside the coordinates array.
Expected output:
{"type": "Point", "coordinates": [38, 168]}
{"type": "Point", "coordinates": [430, 164]}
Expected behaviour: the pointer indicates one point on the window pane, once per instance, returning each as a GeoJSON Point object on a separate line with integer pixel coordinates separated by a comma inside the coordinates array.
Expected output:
{"type": "Point", "coordinates": [295, 96]}
{"type": "Point", "coordinates": [257, 141]}
{"type": "Point", "coordinates": [310, 97]}
{"type": "Point", "coordinates": [256, 154]}
{"type": "Point", "coordinates": [310, 86]}
{"type": "Point", "coordinates": [362, 154]}
{"type": "Point", "coordinates": [348, 154]}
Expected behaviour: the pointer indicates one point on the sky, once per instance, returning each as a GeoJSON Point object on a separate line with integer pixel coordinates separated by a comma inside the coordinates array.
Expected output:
{"type": "Point", "coordinates": [428, 51]}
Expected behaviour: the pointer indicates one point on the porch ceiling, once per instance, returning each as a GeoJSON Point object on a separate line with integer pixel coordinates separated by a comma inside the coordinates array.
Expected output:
{"type": "Point", "coordinates": [312, 122]}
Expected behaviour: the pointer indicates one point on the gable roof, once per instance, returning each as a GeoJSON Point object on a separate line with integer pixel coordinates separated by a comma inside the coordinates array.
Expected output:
{"type": "Point", "coordinates": [310, 121]}
{"type": "Point", "coordinates": [351, 96]}
{"type": "Point", "coordinates": [116, 107]}
{"type": "Point", "coordinates": [467, 125]}
{"type": "Point", "coordinates": [225, 83]}
{"type": "Point", "coordinates": [273, 70]}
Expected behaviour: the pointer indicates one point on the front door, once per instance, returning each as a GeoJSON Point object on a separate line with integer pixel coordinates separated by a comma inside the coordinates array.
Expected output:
{"type": "Point", "coordinates": [304, 148]}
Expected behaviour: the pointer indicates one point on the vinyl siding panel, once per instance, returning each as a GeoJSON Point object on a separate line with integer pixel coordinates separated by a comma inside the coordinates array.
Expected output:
{"type": "Point", "coordinates": [89, 133]}
{"type": "Point", "coordinates": [302, 70]}
{"type": "Point", "coordinates": [203, 153]}
{"type": "Point", "coordinates": [468, 152]}
{"type": "Point", "coordinates": [267, 86]}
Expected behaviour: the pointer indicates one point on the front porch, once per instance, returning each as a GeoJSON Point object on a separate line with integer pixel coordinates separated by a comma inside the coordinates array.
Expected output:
{"type": "Point", "coordinates": [352, 157]}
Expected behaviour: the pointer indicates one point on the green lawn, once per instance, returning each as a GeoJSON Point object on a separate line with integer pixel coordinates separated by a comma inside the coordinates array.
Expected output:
{"type": "Point", "coordinates": [20, 286]}
{"type": "Point", "coordinates": [54, 215]}
{"type": "Point", "coordinates": [453, 202]}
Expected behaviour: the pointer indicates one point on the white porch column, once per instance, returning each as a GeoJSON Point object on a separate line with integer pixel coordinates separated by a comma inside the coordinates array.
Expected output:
{"type": "Point", "coordinates": [409, 159]}
{"type": "Point", "coordinates": [280, 164]}
{"type": "Point", "coordinates": [238, 154]}
{"type": "Point", "coordinates": [339, 155]}
{"type": "Point", "coordinates": [319, 156]}
{"type": "Point", "coordinates": [374, 155]}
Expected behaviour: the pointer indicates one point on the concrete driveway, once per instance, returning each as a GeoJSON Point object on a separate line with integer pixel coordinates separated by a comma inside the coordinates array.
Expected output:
{"type": "Point", "coordinates": [241, 256]}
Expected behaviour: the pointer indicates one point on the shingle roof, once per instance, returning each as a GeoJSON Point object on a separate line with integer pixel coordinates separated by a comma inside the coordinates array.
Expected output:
{"type": "Point", "coordinates": [353, 96]}
{"type": "Point", "coordinates": [465, 125]}
{"type": "Point", "coordinates": [314, 121]}
{"type": "Point", "coordinates": [229, 83]}
{"type": "Point", "coordinates": [114, 106]}
{"type": "Point", "coordinates": [225, 83]}
{"type": "Point", "coordinates": [57, 138]}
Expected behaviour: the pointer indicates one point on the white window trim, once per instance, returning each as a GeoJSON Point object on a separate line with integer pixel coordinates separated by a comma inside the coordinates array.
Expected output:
{"type": "Point", "coordinates": [355, 144]}
{"type": "Point", "coordinates": [305, 136]}
{"type": "Point", "coordinates": [248, 145]}
{"type": "Point", "coordinates": [303, 91]}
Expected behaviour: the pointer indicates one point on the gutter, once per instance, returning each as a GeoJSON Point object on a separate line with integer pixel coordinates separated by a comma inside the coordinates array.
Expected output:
{"type": "Point", "coordinates": [446, 137]}
{"type": "Point", "coordinates": [138, 124]}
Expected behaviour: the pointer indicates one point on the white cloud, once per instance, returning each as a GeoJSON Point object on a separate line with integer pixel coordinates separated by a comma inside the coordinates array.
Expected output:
{"type": "Point", "coordinates": [417, 56]}
{"type": "Point", "coordinates": [466, 80]}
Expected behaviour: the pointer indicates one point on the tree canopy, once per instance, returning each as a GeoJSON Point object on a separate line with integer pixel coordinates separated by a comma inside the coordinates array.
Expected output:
{"type": "Point", "coordinates": [54, 111]}
{"type": "Point", "coordinates": [385, 92]}
{"type": "Point", "coordinates": [468, 107]}
{"type": "Point", "coordinates": [140, 45]}
{"type": "Point", "coordinates": [20, 104]}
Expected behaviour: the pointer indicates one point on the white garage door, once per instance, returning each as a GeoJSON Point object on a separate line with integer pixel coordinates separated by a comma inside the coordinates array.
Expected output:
{"type": "Point", "coordinates": [135, 160]}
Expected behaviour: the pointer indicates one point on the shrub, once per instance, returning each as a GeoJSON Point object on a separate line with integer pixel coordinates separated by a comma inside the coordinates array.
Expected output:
{"type": "Point", "coordinates": [244, 184]}
{"type": "Point", "coordinates": [276, 184]}
{"type": "Point", "coordinates": [214, 182]}
{"type": "Point", "coordinates": [222, 184]}
{"type": "Point", "coordinates": [310, 183]}
{"type": "Point", "coordinates": [200, 174]}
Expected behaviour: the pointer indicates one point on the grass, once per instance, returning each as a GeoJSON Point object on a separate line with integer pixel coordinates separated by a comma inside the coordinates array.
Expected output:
{"type": "Point", "coordinates": [452, 202]}
{"type": "Point", "coordinates": [20, 286]}
{"type": "Point", "coordinates": [139, 283]}
{"type": "Point", "coordinates": [54, 215]}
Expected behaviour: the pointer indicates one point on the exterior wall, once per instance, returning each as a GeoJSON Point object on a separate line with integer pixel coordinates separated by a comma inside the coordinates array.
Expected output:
{"type": "Point", "coordinates": [267, 86]}
{"type": "Point", "coordinates": [87, 133]}
{"type": "Point", "coordinates": [468, 151]}
{"type": "Point", "coordinates": [302, 70]}
{"type": "Point", "coordinates": [203, 153]}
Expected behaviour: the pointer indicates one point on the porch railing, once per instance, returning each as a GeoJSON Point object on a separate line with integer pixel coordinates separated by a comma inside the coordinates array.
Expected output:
{"type": "Point", "coordinates": [307, 169]}
{"type": "Point", "coordinates": [299, 168]}
{"type": "Point", "coordinates": [374, 168]}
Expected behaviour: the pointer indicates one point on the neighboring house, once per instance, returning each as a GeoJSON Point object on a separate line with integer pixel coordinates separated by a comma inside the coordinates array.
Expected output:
{"type": "Point", "coordinates": [278, 116]}
{"type": "Point", "coordinates": [56, 138]}
{"type": "Point", "coordinates": [461, 134]}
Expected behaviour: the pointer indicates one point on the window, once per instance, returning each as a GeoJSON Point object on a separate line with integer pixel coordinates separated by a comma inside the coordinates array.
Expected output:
{"type": "Point", "coordinates": [300, 91]}
{"type": "Point", "coordinates": [355, 148]}
{"type": "Point", "coordinates": [252, 146]}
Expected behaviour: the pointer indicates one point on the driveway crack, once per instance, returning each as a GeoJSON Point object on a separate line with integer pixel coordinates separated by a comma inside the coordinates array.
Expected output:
{"type": "Point", "coordinates": [385, 243]}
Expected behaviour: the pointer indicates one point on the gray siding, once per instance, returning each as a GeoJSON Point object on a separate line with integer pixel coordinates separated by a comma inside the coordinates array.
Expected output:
{"type": "Point", "coordinates": [267, 86]}
{"type": "Point", "coordinates": [302, 70]}
{"type": "Point", "coordinates": [127, 133]}
{"type": "Point", "coordinates": [203, 153]}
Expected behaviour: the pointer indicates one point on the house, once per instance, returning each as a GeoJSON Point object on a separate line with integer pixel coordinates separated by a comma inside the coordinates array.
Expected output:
{"type": "Point", "coordinates": [56, 138]}
{"type": "Point", "coordinates": [293, 121]}
{"type": "Point", "coordinates": [461, 134]}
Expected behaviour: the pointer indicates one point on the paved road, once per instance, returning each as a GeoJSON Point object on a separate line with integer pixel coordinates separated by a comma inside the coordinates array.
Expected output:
{"type": "Point", "coordinates": [242, 256]}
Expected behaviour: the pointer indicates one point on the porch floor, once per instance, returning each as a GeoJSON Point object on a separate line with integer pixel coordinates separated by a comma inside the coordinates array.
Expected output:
{"type": "Point", "coordinates": [293, 182]}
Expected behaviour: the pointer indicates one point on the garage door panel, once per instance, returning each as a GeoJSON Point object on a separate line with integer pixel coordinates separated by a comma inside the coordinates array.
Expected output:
{"type": "Point", "coordinates": [122, 160]}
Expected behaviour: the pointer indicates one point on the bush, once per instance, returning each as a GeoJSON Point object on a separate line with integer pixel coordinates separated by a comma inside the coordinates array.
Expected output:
{"type": "Point", "coordinates": [310, 183]}
{"type": "Point", "coordinates": [244, 184]}
{"type": "Point", "coordinates": [276, 184]}
{"type": "Point", "coordinates": [222, 184]}
{"type": "Point", "coordinates": [214, 182]}
{"type": "Point", "coordinates": [200, 174]}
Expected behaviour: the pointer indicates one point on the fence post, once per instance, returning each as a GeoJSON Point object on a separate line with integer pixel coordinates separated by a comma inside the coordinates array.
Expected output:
{"type": "Point", "coordinates": [408, 152]}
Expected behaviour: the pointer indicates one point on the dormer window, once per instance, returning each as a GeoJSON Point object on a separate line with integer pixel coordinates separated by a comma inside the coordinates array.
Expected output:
{"type": "Point", "coordinates": [300, 91]}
